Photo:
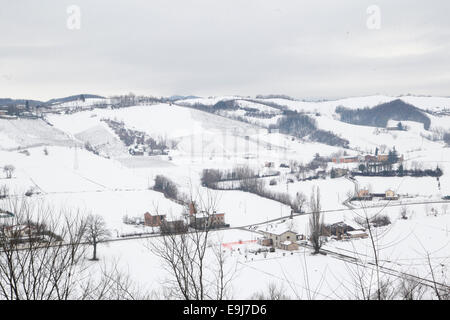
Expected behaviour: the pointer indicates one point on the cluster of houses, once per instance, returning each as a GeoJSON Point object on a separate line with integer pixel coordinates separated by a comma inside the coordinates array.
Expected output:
{"type": "Point", "coordinates": [21, 110]}
{"type": "Point", "coordinates": [344, 231]}
{"type": "Point", "coordinates": [379, 158]}
{"type": "Point", "coordinates": [196, 220]}
{"type": "Point", "coordinates": [364, 194]}
{"type": "Point", "coordinates": [282, 237]}
{"type": "Point", "coordinates": [140, 150]}
{"type": "Point", "coordinates": [372, 164]}
{"type": "Point", "coordinates": [138, 142]}
{"type": "Point", "coordinates": [25, 233]}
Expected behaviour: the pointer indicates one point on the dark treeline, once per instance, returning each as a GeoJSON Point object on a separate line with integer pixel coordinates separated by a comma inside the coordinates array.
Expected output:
{"type": "Point", "coordinates": [131, 136]}
{"type": "Point", "coordinates": [128, 100]}
{"type": "Point", "coordinates": [446, 138]}
{"type": "Point", "coordinates": [296, 124]}
{"type": "Point", "coordinates": [167, 187]}
{"type": "Point", "coordinates": [402, 173]}
{"type": "Point", "coordinates": [302, 125]}
{"type": "Point", "coordinates": [292, 123]}
{"type": "Point", "coordinates": [211, 177]}
{"type": "Point", "coordinates": [249, 182]}
{"type": "Point", "coordinates": [232, 105]}
{"type": "Point", "coordinates": [274, 96]}
{"type": "Point", "coordinates": [380, 115]}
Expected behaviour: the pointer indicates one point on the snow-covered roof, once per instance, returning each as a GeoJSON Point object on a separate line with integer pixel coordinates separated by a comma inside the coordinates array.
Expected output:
{"type": "Point", "coordinates": [352, 224]}
{"type": "Point", "coordinates": [286, 243]}
{"type": "Point", "coordinates": [204, 214]}
{"type": "Point", "coordinates": [278, 229]}
{"type": "Point", "coordinates": [356, 232]}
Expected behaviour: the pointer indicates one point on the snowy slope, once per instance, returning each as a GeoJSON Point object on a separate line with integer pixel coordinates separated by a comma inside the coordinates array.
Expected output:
{"type": "Point", "coordinates": [26, 133]}
{"type": "Point", "coordinates": [75, 179]}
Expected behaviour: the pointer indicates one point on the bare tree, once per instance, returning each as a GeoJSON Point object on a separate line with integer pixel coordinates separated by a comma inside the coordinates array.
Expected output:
{"type": "Point", "coordinates": [4, 191]}
{"type": "Point", "coordinates": [315, 220]}
{"type": "Point", "coordinates": [8, 170]}
{"type": "Point", "coordinates": [411, 289]}
{"type": "Point", "coordinates": [194, 262]}
{"type": "Point", "coordinates": [110, 283]}
{"type": "Point", "coordinates": [42, 258]}
{"type": "Point", "coordinates": [299, 202]}
{"type": "Point", "coordinates": [40, 253]}
{"type": "Point", "coordinates": [96, 232]}
{"type": "Point", "coordinates": [273, 292]}
{"type": "Point", "coordinates": [404, 213]}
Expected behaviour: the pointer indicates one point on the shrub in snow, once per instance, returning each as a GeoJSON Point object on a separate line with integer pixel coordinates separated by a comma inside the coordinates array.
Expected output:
{"type": "Point", "coordinates": [8, 170]}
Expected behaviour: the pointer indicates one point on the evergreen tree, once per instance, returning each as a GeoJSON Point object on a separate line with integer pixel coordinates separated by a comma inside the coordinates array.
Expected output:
{"type": "Point", "coordinates": [400, 170]}
{"type": "Point", "coordinates": [333, 173]}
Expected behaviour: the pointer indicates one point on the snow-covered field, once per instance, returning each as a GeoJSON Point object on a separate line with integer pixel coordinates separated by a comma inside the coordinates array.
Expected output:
{"type": "Point", "coordinates": [115, 184]}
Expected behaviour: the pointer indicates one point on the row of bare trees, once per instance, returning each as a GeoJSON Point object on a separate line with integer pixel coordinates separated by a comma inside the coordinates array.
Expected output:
{"type": "Point", "coordinates": [43, 257]}
{"type": "Point", "coordinates": [196, 265]}
{"type": "Point", "coordinates": [372, 280]}
{"type": "Point", "coordinates": [249, 181]}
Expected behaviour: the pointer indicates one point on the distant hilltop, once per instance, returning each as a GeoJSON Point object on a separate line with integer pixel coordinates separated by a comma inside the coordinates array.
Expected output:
{"type": "Point", "coordinates": [35, 103]}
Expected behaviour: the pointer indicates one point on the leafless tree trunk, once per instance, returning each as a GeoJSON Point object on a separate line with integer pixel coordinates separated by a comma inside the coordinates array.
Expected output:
{"type": "Point", "coordinates": [274, 292]}
{"type": "Point", "coordinates": [110, 284]}
{"type": "Point", "coordinates": [299, 202]}
{"type": "Point", "coordinates": [411, 289]}
{"type": "Point", "coordinates": [96, 232]}
{"type": "Point", "coordinates": [40, 254]}
{"type": "Point", "coordinates": [9, 169]}
{"type": "Point", "coordinates": [42, 258]}
{"type": "Point", "coordinates": [315, 220]}
{"type": "Point", "coordinates": [196, 265]}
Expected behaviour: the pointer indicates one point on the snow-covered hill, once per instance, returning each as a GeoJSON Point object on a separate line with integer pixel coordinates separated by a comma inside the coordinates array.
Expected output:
{"type": "Point", "coordinates": [114, 183]}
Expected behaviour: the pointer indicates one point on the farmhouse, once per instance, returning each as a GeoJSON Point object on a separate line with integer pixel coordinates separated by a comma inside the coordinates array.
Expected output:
{"type": "Point", "coordinates": [153, 220]}
{"type": "Point", "coordinates": [27, 233]}
{"type": "Point", "coordinates": [204, 220]}
{"type": "Point", "coordinates": [363, 195]}
{"type": "Point", "coordinates": [201, 220]}
{"type": "Point", "coordinates": [370, 158]}
{"type": "Point", "coordinates": [269, 164]}
{"type": "Point", "coordinates": [345, 230]}
{"type": "Point", "coordinates": [390, 195]}
{"type": "Point", "coordinates": [338, 172]}
{"type": "Point", "coordinates": [289, 246]}
{"type": "Point", "coordinates": [20, 231]}
{"type": "Point", "coordinates": [175, 226]}
{"type": "Point", "coordinates": [357, 234]}
{"type": "Point", "coordinates": [280, 237]}
{"type": "Point", "coordinates": [346, 160]}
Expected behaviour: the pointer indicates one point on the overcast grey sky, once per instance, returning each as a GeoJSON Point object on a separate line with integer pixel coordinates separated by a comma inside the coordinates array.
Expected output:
{"type": "Point", "coordinates": [307, 49]}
